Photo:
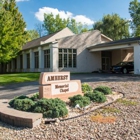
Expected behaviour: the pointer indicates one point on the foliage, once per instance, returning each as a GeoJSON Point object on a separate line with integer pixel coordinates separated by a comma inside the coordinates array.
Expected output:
{"type": "Point", "coordinates": [51, 108]}
{"type": "Point", "coordinates": [6, 79]}
{"type": "Point", "coordinates": [11, 103]}
{"type": "Point", "coordinates": [77, 28]}
{"type": "Point", "coordinates": [55, 23]}
{"type": "Point", "coordinates": [35, 97]}
{"type": "Point", "coordinates": [109, 110]}
{"type": "Point", "coordinates": [12, 31]}
{"type": "Point", "coordinates": [104, 89]}
{"type": "Point", "coordinates": [33, 34]}
{"type": "Point", "coordinates": [113, 26]}
{"type": "Point", "coordinates": [97, 96]}
{"type": "Point", "coordinates": [127, 102]}
{"type": "Point", "coordinates": [134, 10]}
{"type": "Point", "coordinates": [40, 29]}
{"type": "Point", "coordinates": [79, 99]}
{"type": "Point", "coordinates": [23, 104]}
{"type": "Point", "coordinates": [86, 88]}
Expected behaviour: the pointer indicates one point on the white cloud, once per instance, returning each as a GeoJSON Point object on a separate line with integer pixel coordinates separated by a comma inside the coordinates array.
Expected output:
{"type": "Point", "coordinates": [21, 0]}
{"type": "Point", "coordinates": [63, 14]}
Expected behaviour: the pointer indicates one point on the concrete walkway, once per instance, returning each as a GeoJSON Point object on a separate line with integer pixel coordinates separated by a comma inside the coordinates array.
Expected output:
{"type": "Point", "coordinates": [10, 91]}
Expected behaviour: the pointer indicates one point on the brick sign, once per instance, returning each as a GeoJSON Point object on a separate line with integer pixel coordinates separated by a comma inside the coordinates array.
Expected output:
{"type": "Point", "coordinates": [53, 77]}
{"type": "Point", "coordinates": [58, 85]}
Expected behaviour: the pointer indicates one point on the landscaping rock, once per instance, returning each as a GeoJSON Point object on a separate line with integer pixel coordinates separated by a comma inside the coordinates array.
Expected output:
{"type": "Point", "coordinates": [126, 126]}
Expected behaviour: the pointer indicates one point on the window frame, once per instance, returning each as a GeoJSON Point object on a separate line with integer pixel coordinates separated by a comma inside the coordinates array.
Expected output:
{"type": "Point", "coordinates": [47, 62]}
{"type": "Point", "coordinates": [67, 52]}
{"type": "Point", "coordinates": [36, 59]}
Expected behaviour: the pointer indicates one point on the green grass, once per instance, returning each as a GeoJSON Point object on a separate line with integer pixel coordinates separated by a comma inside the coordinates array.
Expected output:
{"type": "Point", "coordinates": [127, 102]}
{"type": "Point", "coordinates": [6, 79]}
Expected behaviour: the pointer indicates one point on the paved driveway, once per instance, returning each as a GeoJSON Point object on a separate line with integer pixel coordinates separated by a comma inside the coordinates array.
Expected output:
{"type": "Point", "coordinates": [10, 91]}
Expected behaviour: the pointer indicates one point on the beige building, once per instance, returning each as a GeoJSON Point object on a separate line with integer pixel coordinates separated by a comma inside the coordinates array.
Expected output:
{"type": "Point", "coordinates": [65, 51]}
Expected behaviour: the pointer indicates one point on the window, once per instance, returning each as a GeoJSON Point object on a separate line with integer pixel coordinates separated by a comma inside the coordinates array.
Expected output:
{"type": "Point", "coordinates": [28, 61]}
{"type": "Point", "coordinates": [21, 62]}
{"type": "Point", "coordinates": [36, 60]}
{"type": "Point", "coordinates": [47, 58]}
{"type": "Point", "coordinates": [67, 58]}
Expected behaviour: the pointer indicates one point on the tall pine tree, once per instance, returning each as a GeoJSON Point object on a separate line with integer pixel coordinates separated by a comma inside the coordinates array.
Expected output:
{"type": "Point", "coordinates": [12, 31]}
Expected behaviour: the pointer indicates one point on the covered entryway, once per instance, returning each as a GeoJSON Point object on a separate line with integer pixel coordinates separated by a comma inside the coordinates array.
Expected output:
{"type": "Point", "coordinates": [117, 51]}
{"type": "Point", "coordinates": [106, 60]}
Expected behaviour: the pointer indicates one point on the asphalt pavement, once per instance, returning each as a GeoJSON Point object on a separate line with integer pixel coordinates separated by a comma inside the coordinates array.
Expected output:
{"type": "Point", "coordinates": [12, 90]}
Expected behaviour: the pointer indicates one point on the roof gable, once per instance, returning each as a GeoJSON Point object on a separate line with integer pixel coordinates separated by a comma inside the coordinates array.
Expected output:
{"type": "Point", "coordinates": [81, 40]}
{"type": "Point", "coordinates": [48, 38]}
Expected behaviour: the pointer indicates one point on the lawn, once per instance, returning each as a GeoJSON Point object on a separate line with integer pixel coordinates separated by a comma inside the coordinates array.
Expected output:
{"type": "Point", "coordinates": [18, 78]}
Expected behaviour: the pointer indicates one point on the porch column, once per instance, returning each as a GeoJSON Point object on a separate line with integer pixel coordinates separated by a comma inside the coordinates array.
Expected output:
{"type": "Point", "coordinates": [32, 61]}
{"type": "Point", "coordinates": [41, 59]}
{"type": "Point", "coordinates": [12, 65]}
{"type": "Point", "coordinates": [24, 62]}
{"type": "Point", "coordinates": [54, 57]}
{"type": "Point", "coordinates": [8, 68]}
{"type": "Point", "coordinates": [137, 59]}
{"type": "Point", "coordinates": [18, 63]}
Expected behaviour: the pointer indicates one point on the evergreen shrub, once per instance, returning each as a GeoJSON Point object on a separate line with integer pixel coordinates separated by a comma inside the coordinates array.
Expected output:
{"type": "Point", "coordinates": [104, 89]}
{"type": "Point", "coordinates": [86, 88]}
{"type": "Point", "coordinates": [79, 99]}
{"type": "Point", "coordinates": [96, 96]}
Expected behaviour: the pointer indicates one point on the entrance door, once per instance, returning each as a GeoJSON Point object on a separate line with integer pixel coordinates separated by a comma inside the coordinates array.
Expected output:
{"type": "Point", "coordinates": [105, 63]}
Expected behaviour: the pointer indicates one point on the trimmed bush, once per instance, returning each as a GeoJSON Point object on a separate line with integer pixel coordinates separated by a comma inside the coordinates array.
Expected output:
{"type": "Point", "coordinates": [104, 89]}
{"type": "Point", "coordinates": [35, 97]}
{"type": "Point", "coordinates": [23, 104]}
{"type": "Point", "coordinates": [86, 88]}
{"type": "Point", "coordinates": [11, 103]}
{"type": "Point", "coordinates": [79, 99]}
{"type": "Point", "coordinates": [51, 108]}
{"type": "Point", "coordinates": [96, 96]}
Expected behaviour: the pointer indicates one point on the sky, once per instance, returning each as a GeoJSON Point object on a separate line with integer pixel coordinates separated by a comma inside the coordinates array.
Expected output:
{"type": "Point", "coordinates": [85, 11]}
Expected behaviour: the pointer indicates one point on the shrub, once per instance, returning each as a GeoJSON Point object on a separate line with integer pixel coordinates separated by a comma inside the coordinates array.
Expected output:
{"type": "Point", "coordinates": [51, 108]}
{"type": "Point", "coordinates": [23, 104]}
{"type": "Point", "coordinates": [86, 88]}
{"type": "Point", "coordinates": [11, 103]}
{"type": "Point", "coordinates": [104, 89]}
{"type": "Point", "coordinates": [96, 96]}
{"type": "Point", "coordinates": [35, 97]}
{"type": "Point", "coordinates": [79, 99]}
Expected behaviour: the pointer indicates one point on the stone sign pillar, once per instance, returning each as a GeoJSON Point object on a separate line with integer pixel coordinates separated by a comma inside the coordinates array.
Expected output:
{"type": "Point", "coordinates": [58, 85]}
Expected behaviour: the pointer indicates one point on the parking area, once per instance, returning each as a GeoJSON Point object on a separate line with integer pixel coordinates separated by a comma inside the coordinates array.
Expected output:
{"type": "Point", "coordinates": [10, 91]}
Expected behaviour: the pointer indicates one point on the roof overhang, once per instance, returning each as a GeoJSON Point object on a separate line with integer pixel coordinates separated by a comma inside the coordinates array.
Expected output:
{"type": "Point", "coordinates": [112, 46]}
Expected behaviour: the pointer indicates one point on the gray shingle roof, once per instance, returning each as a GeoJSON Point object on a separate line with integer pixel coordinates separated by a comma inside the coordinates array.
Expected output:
{"type": "Point", "coordinates": [36, 42]}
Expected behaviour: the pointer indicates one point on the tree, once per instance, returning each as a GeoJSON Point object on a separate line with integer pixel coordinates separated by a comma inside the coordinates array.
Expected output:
{"type": "Point", "coordinates": [113, 26]}
{"type": "Point", "coordinates": [33, 34]}
{"type": "Point", "coordinates": [12, 31]}
{"type": "Point", "coordinates": [40, 29]}
{"type": "Point", "coordinates": [134, 10]}
{"type": "Point", "coordinates": [53, 24]}
{"type": "Point", "coordinates": [77, 28]}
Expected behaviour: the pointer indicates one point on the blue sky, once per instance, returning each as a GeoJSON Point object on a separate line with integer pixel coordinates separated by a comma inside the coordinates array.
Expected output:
{"type": "Point", "coordinates": [85, 11]}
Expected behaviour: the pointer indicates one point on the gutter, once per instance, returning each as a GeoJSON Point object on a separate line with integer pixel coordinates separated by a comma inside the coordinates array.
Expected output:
{"type": "Point", "coordinates": [115, 44]}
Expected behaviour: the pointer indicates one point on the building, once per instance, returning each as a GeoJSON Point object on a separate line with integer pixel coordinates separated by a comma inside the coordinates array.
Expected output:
{"type": "Point", "coordinates": [65, 51]}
